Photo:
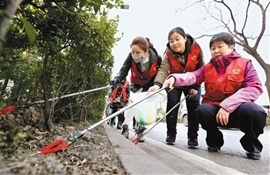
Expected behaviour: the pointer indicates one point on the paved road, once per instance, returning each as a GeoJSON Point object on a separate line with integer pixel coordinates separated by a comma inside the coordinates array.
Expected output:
{"type": "Point", "coordinates": [154, 156]}
{"type": "Point", "coordinates": [231, 159]}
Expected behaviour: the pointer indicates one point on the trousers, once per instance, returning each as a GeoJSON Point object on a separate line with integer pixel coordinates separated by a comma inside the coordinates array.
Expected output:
{"type": "Point", "coordinates": [171, 119]}
{"type": "Point", "coordinates": [248, 117]}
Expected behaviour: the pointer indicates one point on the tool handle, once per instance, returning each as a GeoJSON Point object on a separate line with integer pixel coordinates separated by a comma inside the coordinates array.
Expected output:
{"type": "Point", "coordinates": [120, 111]}
{"type": "Point", "coordinates": [187, 97]}
{"type": "Point", "coordinates": [77, 93]}
{"type": "Point", "coordinates": [10, 109]}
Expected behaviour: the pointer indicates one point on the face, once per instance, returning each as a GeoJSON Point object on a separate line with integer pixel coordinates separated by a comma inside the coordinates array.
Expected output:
{"type": "Point", "coordinates": [137, 51]}
{"type": "Point", "coordinates": [219, 49]}
{"type": "Point", "coordinates": [177, 42]}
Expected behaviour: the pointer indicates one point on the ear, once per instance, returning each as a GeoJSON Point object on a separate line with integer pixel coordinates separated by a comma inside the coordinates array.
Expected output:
{"type": "Point", "coordinates": [232, 47]}
{"type": "Point", "coordinates": [147, 51]}
{"type": "Point", "coordinates": [185, 38]}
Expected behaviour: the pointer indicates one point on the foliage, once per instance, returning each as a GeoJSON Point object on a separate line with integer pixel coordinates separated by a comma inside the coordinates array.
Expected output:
{"type": "Point", "coordinates": [69, 51]}
{"type": "Point", "coordinates": [267, 121]}
{"type": "Point", "coordinates": [9, 141]}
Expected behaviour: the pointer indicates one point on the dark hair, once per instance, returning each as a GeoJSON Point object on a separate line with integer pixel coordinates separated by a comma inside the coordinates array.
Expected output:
{"type": "Point", "coordinates": [177, 30]}
{"type": "Point", "coordinates": [222, 36]}
{"type": "Point", "coordinates": [143, 42]}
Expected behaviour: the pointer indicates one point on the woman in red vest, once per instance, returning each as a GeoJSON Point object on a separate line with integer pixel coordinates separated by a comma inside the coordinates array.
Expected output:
{"type": "Point", "coordinates": [143, 61]}
{"type": "Point", "coordinates": [118, 99]}
{"type": "Point", "coordinates": [232, 85]}
{"type": "Point", "coordinates": [183, 54]}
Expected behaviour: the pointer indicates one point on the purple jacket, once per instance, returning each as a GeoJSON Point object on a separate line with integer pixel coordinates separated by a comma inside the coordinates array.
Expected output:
{"type": "Point", "coordinates": [251, 90]}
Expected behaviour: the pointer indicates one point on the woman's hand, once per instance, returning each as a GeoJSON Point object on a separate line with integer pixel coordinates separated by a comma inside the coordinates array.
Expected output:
{"type": "Point", "coordinates": [222, 116]}
{"type": "Point", "coordinates": [193, 92]}
{"type": "Point", "coordinates": [153, 88]}
{"type": "Point", "coordinates": [169, 83]}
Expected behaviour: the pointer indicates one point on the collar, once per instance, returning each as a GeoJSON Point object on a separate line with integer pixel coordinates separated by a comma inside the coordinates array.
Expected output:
{"type": "Point", "coordinates": [227, 59]}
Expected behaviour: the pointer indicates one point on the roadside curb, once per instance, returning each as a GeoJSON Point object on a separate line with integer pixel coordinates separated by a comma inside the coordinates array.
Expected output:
{"type": "Point", "coordinates": [133, 158]}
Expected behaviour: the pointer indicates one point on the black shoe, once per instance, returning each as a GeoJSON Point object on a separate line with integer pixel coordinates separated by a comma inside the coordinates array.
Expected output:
{"type": "Point", "coordinates": [213, 149]}
{"type": "Point", "coordinates": [125, 131]}
{"type": "Point", "coordinates": [253, 155]}
{"type": "Point", "coordinates": [193, 143]}
{"type": "Point", "coordinates": [139, 131]}
{"type": "Point", "coordinates": [170, 138]}
{"type": "Point", "coordinates": [119, 127]}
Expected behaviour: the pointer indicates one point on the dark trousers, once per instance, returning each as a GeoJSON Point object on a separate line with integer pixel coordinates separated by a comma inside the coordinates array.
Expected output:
{"type": "Point", "coordinates": [248, 117]}
{"type": "Point", "coordinates": [121, 117]}
{"type": "Point", "coordinates": [192, 104]}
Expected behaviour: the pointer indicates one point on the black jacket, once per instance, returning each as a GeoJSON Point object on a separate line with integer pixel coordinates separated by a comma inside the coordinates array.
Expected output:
{"type": "Point", "coordinates": [126, 67]}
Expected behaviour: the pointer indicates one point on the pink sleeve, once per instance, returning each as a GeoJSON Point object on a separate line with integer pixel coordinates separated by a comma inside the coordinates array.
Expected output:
{"type": "Point", "coordinates": [243, 95]}
{"type": "Point", "coordinates": [188, 78]}
{"type": "Point", "coordinates": [252, 89]}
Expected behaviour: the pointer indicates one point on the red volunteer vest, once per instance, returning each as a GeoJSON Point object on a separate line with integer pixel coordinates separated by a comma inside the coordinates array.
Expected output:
{"type": "Point", "coordinates": [145, 77]}
{"type": "Point", "coordinates": [192, 61]}
{"type": "Point", "coordinates": [218, 88]}
{"type": "Point", "coordinates": [118, 97]}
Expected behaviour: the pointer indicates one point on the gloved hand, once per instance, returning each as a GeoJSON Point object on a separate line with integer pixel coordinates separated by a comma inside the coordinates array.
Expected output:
{"type": "Point", "coordinates": [114, 81]}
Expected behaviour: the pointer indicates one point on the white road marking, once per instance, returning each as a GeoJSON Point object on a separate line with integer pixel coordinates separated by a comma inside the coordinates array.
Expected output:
{"type": "Point", "coordinates": [197, 160]}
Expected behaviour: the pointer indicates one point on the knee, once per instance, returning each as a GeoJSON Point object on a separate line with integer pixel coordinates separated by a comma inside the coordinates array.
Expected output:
{"type": "Point", "coordinates": [202, 109]}
{"type": "Point", "coordinates": [253, 110]}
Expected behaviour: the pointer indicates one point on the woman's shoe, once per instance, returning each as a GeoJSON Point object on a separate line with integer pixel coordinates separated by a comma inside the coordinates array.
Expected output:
{"type": "Point", "coordinates": [170, 138]}
{"type": "Point", "coordinates": [253, 155]}
{"type": "Point", "coordinates": [213, 149]}
{"type": "Point", "coordinates": [125, 131]}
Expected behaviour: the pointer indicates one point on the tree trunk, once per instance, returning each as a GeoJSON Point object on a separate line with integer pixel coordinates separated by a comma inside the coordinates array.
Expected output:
{"type": "Point", "coordinates": [47, 111]}
{"type": "Point", "coordinates": [267, 82]}
{"type": "Point", "coordinates": [6, 17]}
{"type": "Point", "coordinates": [266, 67]}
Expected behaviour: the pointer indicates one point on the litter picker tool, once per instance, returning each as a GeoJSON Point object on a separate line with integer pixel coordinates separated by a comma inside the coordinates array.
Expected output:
{"type": "Point", "coordinates": [140, 131]}
{"type": "Point", "coordinates": [65, 142]}
{"type": "Point", "coordinates": [10, 109]}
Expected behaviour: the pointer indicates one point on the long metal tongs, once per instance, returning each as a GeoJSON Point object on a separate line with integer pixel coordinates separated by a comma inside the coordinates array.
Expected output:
{"type": "Point", "coordinates": [141, 133]}
{"type": "Point", "coordinates": [65, 142]}
{"type": "Point", "coordinates": [10, 109]}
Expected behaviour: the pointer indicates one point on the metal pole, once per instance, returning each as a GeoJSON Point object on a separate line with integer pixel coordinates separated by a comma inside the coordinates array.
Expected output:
{"type": "Point", "coordinates": [119, 112]}
{"type": "Point", "coordinates": [77, 93]}
{"type": "Point", "coordinates": [187, 97]}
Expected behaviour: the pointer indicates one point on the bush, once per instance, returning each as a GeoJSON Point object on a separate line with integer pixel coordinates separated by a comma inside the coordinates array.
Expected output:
{"type": "Point", "coordinates": [267, 121]}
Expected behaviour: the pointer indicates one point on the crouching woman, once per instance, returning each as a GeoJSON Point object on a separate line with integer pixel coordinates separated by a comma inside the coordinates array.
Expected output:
{"type": "Point", "coordinates": [232, 85]}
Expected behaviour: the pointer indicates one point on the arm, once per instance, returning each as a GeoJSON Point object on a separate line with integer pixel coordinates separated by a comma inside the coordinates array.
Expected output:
{"type": "Point", "coordinates": [252, 89]}
{"type": "Point", "coordinates": [162, 71]}
{"type": "Point", "coordinates": [125, 68]}
{"type": "Point", "coordinates": [189, 78]}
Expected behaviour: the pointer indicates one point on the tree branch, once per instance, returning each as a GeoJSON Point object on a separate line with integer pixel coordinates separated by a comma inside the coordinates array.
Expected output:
{"type": "Point", "coordinates": [246, 17]}
{"type": "Point", "coordinates": [231, 14]}
{"type": "Point", "coordinates": [242, 39]}
{"type": "Point", "coordinates": [224, 23]}
{"type": "Point", "coordinates": [263, 21]}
